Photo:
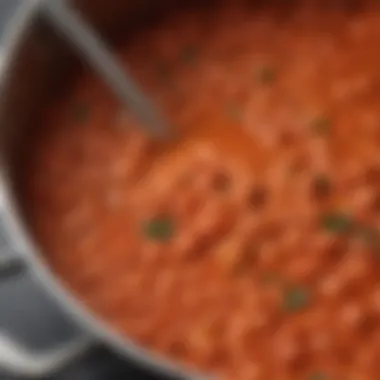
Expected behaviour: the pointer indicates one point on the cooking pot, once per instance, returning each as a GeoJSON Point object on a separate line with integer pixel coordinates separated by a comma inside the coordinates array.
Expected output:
{"type": "Point", "coordinates": [38, 62]}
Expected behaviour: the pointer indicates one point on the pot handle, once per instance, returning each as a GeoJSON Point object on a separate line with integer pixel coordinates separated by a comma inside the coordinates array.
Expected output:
{"type": "Point", "coordinates": [15, 358]}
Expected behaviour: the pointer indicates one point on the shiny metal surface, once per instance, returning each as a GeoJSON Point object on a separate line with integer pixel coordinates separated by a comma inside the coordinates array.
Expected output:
{"type": "Point", "coordinates": [16, 359]}
{"type": "Point", "coordinates": [37, 64]}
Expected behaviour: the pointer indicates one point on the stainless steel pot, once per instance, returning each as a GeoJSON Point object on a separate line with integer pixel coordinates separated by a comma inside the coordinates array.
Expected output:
{"type": "Point", "coordinates": [37, 63]}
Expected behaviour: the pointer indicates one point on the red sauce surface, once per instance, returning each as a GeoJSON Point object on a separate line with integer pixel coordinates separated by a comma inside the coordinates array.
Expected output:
{"type": "Point", "coordinates": [249, 248]}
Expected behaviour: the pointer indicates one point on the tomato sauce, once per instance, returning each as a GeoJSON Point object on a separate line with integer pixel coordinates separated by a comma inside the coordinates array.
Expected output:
{"type": "Point", "coordinates": [248, 247]}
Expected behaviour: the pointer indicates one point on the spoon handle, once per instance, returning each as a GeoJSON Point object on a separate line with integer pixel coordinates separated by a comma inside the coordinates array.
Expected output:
{"type": "Point", "coordinates": [99, 56]}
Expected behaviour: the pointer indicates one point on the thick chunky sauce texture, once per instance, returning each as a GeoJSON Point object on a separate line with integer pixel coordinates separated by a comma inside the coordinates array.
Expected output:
{"type": "Point", "coordinates": [248, 247]}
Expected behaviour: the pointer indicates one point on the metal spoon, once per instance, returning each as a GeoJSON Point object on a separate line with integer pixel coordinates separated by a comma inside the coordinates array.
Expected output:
{"type": "Point", "coordinates": [99, 56]}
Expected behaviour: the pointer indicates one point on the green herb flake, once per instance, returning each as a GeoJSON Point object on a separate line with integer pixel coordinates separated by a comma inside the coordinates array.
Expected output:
{"type": "Point", "coordinates": [296, 299]}
{"type": "Point", "coordinates": [337, 223]}
{"type": "Point", "coordinates": [321, 125]}
{"type": "Point", "coordinates": [318, 376]}
{"type": "Point", "coordinates": [80, 113]}
{"type": "Point", "coordinates": [266, 75]}
{"type": "Point", "coordinates": [190, 54]}
{"type": "Point", "coordinates": [160, 229]}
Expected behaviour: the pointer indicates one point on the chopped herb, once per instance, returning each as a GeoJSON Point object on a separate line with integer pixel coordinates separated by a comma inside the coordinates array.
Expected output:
{"type": "Point", "coordinates": [80, 113]}
{"type": "Point", "coordinates": [266, 75]}
{"type": "Point", "coordinates": [338, 223]}
{"type": "Point", "coordinates": [321, 125]}
{"type": "Point", "coordinates": [322, 186]}
{"type": "Point", "coordinates": [189, 54]}
{"type": "Point", "coordinates": [318, 376]}
{"type": "Point", "coordinates": [160, 229]}
{"type": "Point", "coordinates": [296, 299]}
